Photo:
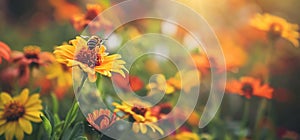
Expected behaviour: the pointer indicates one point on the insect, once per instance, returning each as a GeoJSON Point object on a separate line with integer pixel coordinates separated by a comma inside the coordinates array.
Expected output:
{"type": "Point", "coordinates": [94, 41]}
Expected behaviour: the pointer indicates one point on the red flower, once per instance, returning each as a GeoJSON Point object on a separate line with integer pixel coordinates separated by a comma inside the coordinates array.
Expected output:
{"type": "Point", "coordinates": [128, 83]}
{"type": "Point", "coordinates": [101, 119]}
{"type": "Point", "coordinates": [4, 51]}
{"type": "Point", "coordinates": [248, 87]}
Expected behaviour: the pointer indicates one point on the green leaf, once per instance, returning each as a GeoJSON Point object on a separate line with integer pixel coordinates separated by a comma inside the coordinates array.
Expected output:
{"type": "Point", "coordinates": [81, 138]}
{"type": "Point", "coordinates": [49, 115]}
{"type": "Point", "coordinates": [47, 125]}
{"type": "Point", "coordinates": [58, 127]}
{"type": "Point", "coordinates": [78, 130]}
{"type": "Point", "coordinates": [55, 103]}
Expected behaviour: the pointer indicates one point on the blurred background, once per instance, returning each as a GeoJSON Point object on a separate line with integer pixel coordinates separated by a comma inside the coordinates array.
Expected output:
{"type": "Point", "coordinates": [47, 23]}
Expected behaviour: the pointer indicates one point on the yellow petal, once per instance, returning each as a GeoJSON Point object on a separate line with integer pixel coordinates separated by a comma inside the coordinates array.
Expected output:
{"type": "Point", "coordinates": [33, 118]}
{"type": "Point", "coordinates": [143, 128]}
{"type": "Point", "coordinates": [2, 129]}
{"type": "Point", "coordinates": [5, 97]}
{"type": "Point", "coordinates": [2, 121]}
{"type": "Point", "coordinates": [33, 99]}
{"type": "Point", "coordinates": [135, 127]}
{"type": "Point", "coordinates": [34, 108]}
{"type": "Point", "coordinates": [19, 133]}
{"type": "Point", "coordinates": [25, 125]}
{"type": "Point", "coordinates": [10, 130]}
{"type": "Point", "coordinates": [22, 98]}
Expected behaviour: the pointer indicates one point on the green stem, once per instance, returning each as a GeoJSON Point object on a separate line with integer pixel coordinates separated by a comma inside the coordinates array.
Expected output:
{"type": "Point", "coordinates": [259, 116]}
{"type": "Point", "coordinates": [245, 118]}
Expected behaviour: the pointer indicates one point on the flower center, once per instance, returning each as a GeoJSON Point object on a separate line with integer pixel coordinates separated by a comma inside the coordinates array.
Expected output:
{"type": "Point", "coordinates": [247, 90]}
{"type": "Point", "coordinates": [138, 110]}
{"type": "Point", "coordinates": [13, 111]}
{"type": "Point", "coordinates": [32, 53]}
{"type": "Point", "coordinates": [91, 14]}
{"type": "Point", "coordinates": [275, 30]}
{"type": "Point", "coordinates": [88, 57]}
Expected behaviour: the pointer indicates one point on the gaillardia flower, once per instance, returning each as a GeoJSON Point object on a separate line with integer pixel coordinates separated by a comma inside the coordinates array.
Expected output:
{"type": "Point", "coordinates": [248, 87]}
{"type": "Point", "coordinates": [89, 60]}
{"type": "Point", "coordinates": [140, 116]}
{"type": "Point", "coordinates": [101, 119]}
{"type": "Point", "coordinates": [16, 114]}
{"type": "Point", "coordinates": [4, 51]}
{"type": "Point", "coordinates": [276, 27]}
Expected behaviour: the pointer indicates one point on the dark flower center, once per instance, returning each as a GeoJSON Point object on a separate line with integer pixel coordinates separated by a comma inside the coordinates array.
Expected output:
{"type": "Point", "coordinates": [247, 90]}
{"type": "Point", "coordinates": [91, 14]}
{"type": "Point", "coordinates": [138, 110]}
{"type": "Point", "coordinates": [275, 30]}
{"type": "Point", "coordinates": [13, 111]}
{"type": "Point", "coordinates": [88, 57]}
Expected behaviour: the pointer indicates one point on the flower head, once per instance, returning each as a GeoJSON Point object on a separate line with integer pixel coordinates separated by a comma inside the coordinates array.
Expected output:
{"type": "Point", "coordinates": [81, 21]}
{"type": "Point", "coordinates": [89, 60]}
{"type": "Point", "coordinates": [16, 114]}
{"type": "Point", "coordinates": [140, 116]}
{"type": "Point", "coordinates": [276, 27]}
{"type": "Point", "coordinates": [186, 135]}
{"type": "Point", "coordinates": [248, 87]}
{"type": "Point", "coordinates": [101, 119]}
{"type": "Point", "coordinates": [4, 51]}
{"type": "Point", "coordinates": [130, 82]}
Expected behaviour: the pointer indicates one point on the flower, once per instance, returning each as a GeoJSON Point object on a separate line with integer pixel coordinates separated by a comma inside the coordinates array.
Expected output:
{"type": "Point", "coordinates": [64, 10]}
{"type": "Point", "coordinates": [276, 27]}
{"type": "Point", "coordinates": [17, 113]}
{"type": "Point", "coordinates": [161, 110]}
{"type": "Point", "coordinates": [32, 57]}
{"type": "Point", "coordinates": [101, 119]}
{"type": "Point", "coordinates": [89, 60]}
{"type": "Point", "coordinates": [4, 51]}
{"type": "Point", "coordinates": [248, 87]}
{"type": "Point", "coordinates": [80, 21]}
{"type": "Point", "coordinates": [184, 80]}
{"type": "Point", "coordinates": [62, 76]}
{"type": "Point", "coordinates": [186, 135]}
{"type": "Point", "coordinates": [130, 82]}
{"type": "Point", "coordinates": [140, 116]}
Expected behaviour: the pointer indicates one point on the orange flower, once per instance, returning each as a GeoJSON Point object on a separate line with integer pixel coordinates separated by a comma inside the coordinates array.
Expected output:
{"type": "Point", "coordinates": [80, 21]}
{"type": "Point", "coordinates": [101, 119]}
{"type": "Point", "coordinates": [162, 110]}
{"type": "Point", "coordinates": [64, 10]}
{"type": "Point", "coordinates": [4, 51]}
{"type": "Point", "coordinates": [248, 87]}
{"type": "Point", "coordinates": [89, 60]}
{"type": "Point", "coordinates": [276, 27]}
{"type": "Point", "coordinates": [128, 83]}
{"type": "Point", "coordinates": [201, 62]}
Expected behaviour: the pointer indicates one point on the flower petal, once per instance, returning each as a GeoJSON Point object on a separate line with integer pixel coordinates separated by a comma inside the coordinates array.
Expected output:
{"type": "Point", "coordinates": [22, 98]}
{"type": "Point", "coordinates": [143, 128]}
{"type": "Point", "coordinates": [135, 127]}
{"type": "Point", "coordinates": [5, 97]}
{"type": "Point", "coordinates": [25, 125]}
{"type": "Point", "coordinates": [32, 117]}
{"type": "Point", "coordinates": [19, 133]}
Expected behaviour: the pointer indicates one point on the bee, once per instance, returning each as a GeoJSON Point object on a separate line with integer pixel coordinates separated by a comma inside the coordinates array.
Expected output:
{"type": "Point", "coordinates": [94, 41]}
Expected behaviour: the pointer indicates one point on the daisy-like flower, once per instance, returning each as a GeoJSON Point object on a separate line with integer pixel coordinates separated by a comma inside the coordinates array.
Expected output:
{"type": "Point", "coordinates": [4, 51]}
{"type": "Point", "coordinates": [17, 113]}
{"type": "Point", "coordinates": [186, 135]}
{"type": "Point", "coordinates": [276, 27]}
{"type": "Point", "coordinates": [80, 21]}
{"type": "Point", "coordinates": [89, 60]}
{"type": "Point", "coordinates": [101, 119]}
{"type": "Point", "coordinates": [248, 87]}
{"type": "Point", "coordinates": [140, 116]}
{"type": "Point", "coordinates": [62, 76]}
{"type": "Point", "coordinates": [186, 83]}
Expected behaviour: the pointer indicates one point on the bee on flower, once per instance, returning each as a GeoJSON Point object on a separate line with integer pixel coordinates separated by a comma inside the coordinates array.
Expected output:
{"type": "Point", "coordinates": [17, 113]}
{"type": "Point", "coordinates": [78, 53]}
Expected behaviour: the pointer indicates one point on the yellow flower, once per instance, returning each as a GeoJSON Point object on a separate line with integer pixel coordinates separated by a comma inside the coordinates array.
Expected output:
{"type": "Point", "coordinates": [89, 60]}
{"type": "Point", "coordinates": [184, 80]}
{"type": "Point", "coordinates": [187, 136]}
{"type": "Point", "coordinates": [61, 73]}
{"type": "Point", "coordinates": [140, 116]}
{"type": "Point", "coordinates": [276, 27]}
{"type": "Point", "coordinates": [16, 114]}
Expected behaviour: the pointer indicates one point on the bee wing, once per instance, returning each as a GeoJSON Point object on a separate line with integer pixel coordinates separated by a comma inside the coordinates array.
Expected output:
{"type": "Point", "coordinates": [84, 36]}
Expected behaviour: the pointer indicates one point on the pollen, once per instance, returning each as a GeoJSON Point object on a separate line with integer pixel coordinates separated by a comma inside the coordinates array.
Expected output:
{"type": "Point", "coordinates": [88, 57]}
{"type": "Point", "coordinates": [13, 111]}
